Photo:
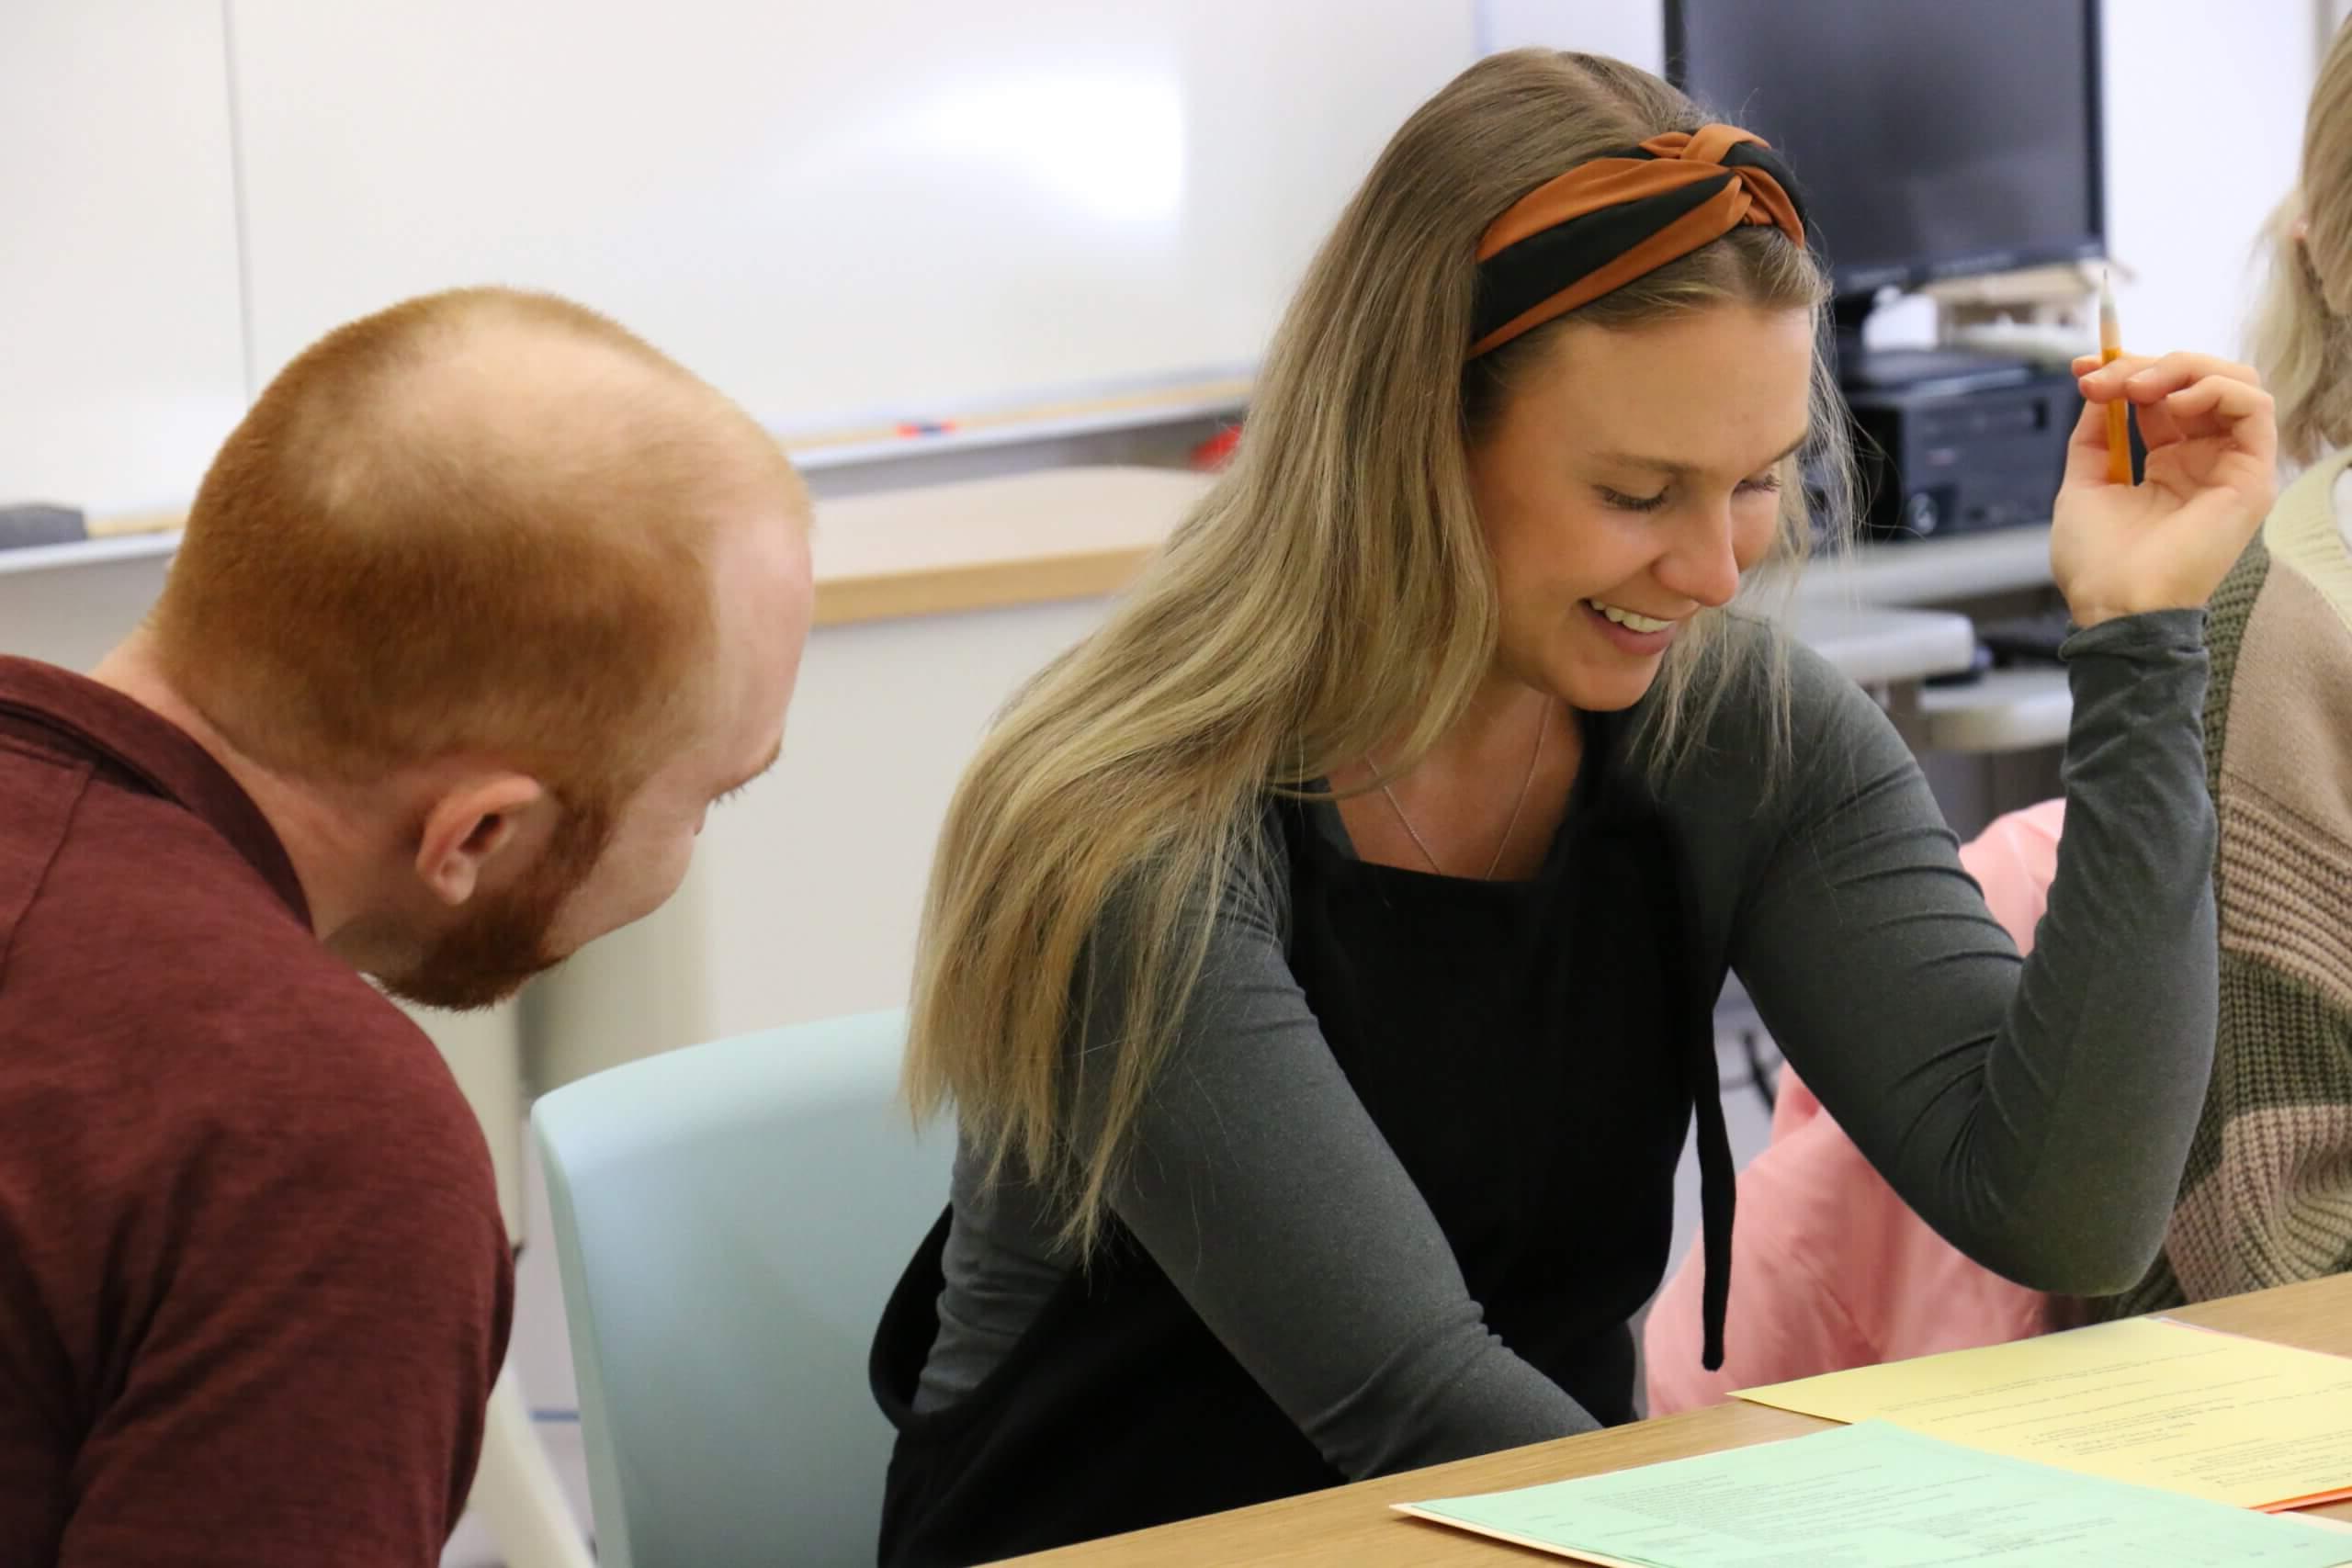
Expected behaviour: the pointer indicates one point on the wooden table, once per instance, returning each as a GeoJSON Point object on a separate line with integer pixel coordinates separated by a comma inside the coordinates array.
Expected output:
{"type": "Point", "coordinates": [1353, 1524]}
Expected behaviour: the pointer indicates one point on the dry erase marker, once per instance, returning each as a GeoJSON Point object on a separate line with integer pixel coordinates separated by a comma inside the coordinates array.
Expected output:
{"type": "Point", "coordinates": [2119, 413]}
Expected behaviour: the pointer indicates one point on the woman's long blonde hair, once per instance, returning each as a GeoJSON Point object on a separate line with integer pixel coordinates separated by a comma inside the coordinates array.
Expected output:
{"type": "Point", "coordinates": [1331, 594]}
{"type": "Point", "coordinates": [2302, 324]}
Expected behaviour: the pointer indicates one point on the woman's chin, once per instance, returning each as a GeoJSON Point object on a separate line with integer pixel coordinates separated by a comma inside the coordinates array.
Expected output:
{"type": "Point", "coordinates": [1588, 690]}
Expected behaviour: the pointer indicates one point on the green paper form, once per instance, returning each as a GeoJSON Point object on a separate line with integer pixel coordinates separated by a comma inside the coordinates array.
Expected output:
{"type": "Point", "coordinates": [1873, 1495]}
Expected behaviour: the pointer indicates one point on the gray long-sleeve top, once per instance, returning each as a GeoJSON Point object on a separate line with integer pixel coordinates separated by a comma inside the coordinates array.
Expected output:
{"type": "Point", "coordinates": [2037, 1112]}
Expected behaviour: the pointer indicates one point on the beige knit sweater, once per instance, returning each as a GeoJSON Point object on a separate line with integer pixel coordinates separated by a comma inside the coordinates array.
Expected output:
{"type": "Point", "coordinates": [2267, 1199]}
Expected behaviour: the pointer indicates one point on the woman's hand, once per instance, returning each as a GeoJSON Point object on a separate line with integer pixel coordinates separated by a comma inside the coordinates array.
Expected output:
{"type": "Point", "coordinates": [2166, 542]}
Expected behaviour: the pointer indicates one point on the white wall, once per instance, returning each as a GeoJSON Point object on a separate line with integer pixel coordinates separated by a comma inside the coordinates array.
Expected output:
{"type": "Point", "coordinates": [72, 615]}
{"type": "Point", "coordinates": [805, 895]}
{"type": "Point", "coordinates": [2205, 124]}
{"type": "Point", "coordinates": [1632, 30]}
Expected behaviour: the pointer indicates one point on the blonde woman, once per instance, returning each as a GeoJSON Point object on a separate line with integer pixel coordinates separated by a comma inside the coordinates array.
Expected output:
{"type": "Point", "coordinates": [1320, 958]}
{"type": "Point", "coordinates": [2267, 1197]}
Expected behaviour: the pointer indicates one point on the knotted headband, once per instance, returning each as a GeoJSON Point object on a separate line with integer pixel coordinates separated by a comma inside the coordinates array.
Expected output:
{"type": "Point", "coordinates": [1605, 223]}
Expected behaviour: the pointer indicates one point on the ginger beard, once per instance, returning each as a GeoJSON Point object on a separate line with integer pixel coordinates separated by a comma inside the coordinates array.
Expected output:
{"type": "Point", "coordinates": [500, 939]}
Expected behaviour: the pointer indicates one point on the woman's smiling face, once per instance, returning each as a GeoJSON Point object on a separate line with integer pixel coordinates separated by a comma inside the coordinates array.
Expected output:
{"type": "Point", "coordinates": [1628, 479]}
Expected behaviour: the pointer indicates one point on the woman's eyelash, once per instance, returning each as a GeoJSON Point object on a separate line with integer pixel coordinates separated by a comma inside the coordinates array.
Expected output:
{"type": "Point", "coordinates": [1623, 502]}
{"type": "Point", "coordinates": [1619, 500]}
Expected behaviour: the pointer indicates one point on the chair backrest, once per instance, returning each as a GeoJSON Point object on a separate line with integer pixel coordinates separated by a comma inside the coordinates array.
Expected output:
{"type": "Point", "coordinates": [730, 1220]}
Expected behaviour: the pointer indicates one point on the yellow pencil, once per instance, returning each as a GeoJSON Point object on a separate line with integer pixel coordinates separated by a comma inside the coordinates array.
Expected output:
{"type": "Point", "coordinates": [2119, 415]}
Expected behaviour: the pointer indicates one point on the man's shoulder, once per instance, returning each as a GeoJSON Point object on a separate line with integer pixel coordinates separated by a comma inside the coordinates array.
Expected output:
{"type": "Point", "coordinates": [155, 955]}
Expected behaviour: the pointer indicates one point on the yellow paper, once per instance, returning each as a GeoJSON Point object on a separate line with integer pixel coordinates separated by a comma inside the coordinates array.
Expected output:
{"type": "Point", "coordinates": [2147, 1401]}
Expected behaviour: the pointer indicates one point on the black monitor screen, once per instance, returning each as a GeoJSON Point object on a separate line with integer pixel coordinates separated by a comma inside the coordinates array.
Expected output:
{"type": "Point", "coordinates": [1932, 138]}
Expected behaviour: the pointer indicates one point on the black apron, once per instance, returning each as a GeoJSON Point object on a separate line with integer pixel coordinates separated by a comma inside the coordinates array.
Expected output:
{"type": "Point", "coordinates": [1531, 1050]}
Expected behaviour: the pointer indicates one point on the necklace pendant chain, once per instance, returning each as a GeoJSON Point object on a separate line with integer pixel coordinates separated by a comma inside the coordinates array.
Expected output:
{"type": "Point", "coordinates": [1510, 826]}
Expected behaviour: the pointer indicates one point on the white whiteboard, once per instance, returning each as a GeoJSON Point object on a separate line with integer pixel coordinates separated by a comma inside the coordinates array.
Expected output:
{"type": "Point", "coordinates": [870, 207]}
{"type": "Point", "coordinates": [121, 365]}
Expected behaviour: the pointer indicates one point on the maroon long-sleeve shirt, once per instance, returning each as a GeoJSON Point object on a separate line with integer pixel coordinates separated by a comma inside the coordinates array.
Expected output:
{"type": "Point", "coordinates": [254, 1283]}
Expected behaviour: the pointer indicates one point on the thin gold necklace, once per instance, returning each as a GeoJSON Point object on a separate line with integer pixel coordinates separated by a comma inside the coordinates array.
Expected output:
{"type": "Point", "coordinates": [1541, 724]}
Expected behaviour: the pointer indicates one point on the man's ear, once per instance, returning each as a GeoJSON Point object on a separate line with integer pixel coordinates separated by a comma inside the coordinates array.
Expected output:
{"type": "Point", "coordinates": [470, 825]}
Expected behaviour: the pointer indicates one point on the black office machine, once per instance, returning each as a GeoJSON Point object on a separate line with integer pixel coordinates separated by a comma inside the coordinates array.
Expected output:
{"type": "Point", "coordinates": [1962, 454]}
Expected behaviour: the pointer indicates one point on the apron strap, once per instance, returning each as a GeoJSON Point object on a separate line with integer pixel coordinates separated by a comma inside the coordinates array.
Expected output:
{"type": "Point", "coordinates": [1718, 1194]}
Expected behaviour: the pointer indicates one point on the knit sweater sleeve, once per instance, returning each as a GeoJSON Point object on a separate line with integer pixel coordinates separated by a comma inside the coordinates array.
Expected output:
{"type": "Point", "coordinates": [2266, 1198]}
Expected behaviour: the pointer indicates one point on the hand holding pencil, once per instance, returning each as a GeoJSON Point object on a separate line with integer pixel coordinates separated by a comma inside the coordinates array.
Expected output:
{"type": "Point", "coordinates": [2120, 548]}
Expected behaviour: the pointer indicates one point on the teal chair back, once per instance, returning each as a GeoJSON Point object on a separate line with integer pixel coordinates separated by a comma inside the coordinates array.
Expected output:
{"type": "Point", "coordinates": [728, 1221]}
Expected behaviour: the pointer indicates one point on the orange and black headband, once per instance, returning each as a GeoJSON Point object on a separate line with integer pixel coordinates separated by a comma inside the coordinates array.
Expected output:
{"type": "Point", "coordinates": [1605, 223]}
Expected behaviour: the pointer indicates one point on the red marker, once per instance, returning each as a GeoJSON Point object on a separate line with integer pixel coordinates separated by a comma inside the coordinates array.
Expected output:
{"type": "Point", "coordinates": [1217, 450]}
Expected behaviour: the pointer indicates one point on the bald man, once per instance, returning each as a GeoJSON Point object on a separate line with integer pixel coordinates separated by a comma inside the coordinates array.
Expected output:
{"type": "Point", "coordinates": [478, 613]}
